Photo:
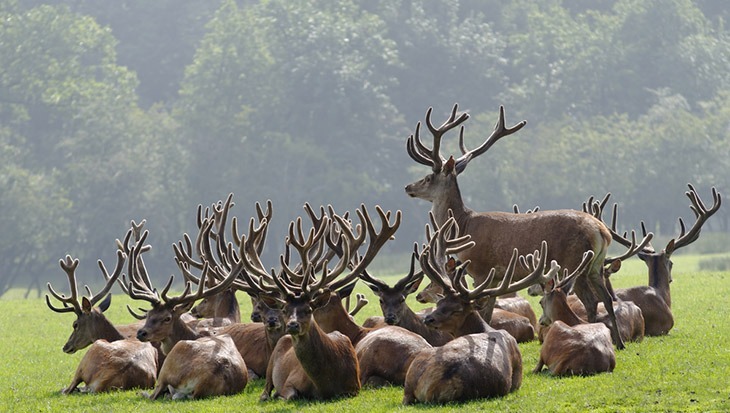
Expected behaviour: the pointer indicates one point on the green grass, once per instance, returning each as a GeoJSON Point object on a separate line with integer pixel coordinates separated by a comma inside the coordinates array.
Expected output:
{"type": "Point", "coordinates": [684, 371]}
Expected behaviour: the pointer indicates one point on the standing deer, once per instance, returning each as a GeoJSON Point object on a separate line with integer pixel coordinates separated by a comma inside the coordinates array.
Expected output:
{"type": "Point", "coordinates": [112, 362]}
{"type": "Point", "coordinates": [496, 234]}
{"type": "Point", "coordinates": [571, 346]}
{"type": "Point", "coordinates": [481, 361]}
{"type": "Point", "coordinates": [655, 298]}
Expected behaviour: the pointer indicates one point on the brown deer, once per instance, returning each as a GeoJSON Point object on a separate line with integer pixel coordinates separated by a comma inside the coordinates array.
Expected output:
{"type": "Point", "coordinates": [655, 298]}
{"type": "Point", "coordinates": [496, 234]}
{"type": "Point", "coordinates": [395, 309]}
{"type": "Point", "coordinates": [112, 362]}
{"type": "Point", "coordinates": [481, 361]}
{"type": "Point", "coordinates": [309, 363]}
{"type": "Point", "coordinates": [571, 346]}
{"type": "Point", "coordinates": [90, 324]}
{"type": "Point", "coordinates": [253, 340]}
{"type": "Point", "coordinates": [195, 366]}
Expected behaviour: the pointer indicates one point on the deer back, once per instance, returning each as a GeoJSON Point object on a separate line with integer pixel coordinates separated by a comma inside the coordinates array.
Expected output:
{"type": "Point", "coordinates": [117, 365]}
{"type": "Point", "coordinates": [208, 366]}
{"type": "Point", "coordinates": [386, 354]}
{"type": "Point", "coordinates": [583, 349]}
{"type": "Point", "coordinates": [469, 367]}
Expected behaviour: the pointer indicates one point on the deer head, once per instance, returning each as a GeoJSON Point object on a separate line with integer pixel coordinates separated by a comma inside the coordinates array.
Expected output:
{"type": "Point", "coordinates": [90, 323]}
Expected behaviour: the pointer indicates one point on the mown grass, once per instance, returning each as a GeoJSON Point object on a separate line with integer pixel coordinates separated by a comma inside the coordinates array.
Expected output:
{"type": "Point", "coordinates": [684, 371]}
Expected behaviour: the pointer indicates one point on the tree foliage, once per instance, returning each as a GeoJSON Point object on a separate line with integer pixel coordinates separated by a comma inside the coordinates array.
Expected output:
{"type": "Point", "coordinates": [131, 110]}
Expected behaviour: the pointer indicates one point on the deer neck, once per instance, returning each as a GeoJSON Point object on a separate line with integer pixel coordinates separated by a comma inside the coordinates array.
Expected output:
{"type": "Point", "coordinates": [104, 329]}
{"type": "Point", "coordinates": [561, 311]}
{"type": "Point", "coordinates": [314, 349]}
{"type": "Point", "coordinates": [449, 200]}
{"type": "Point", "coordinates": [473, 324]}
{"type": "Point", "coordinates": [334, 317]}
{"type": "Point", "coordinates": [180, 331]}
{"type": "Point", "coordinates": [659, 276]}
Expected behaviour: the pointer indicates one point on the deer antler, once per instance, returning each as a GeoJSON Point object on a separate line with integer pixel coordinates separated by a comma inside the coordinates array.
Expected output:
{"type": "Point", "coordinates": [432, 157]}
{"type": "Point", "coordinates": [500, 131]}
{"type": "Point", "coordinates": [702, 213]}
{"type": "Point", "coordinates": [596, 208]}
{"type": "Point", "coordinates": [536, 262]}
{"type": "Point", "coordinates": [69, 266]}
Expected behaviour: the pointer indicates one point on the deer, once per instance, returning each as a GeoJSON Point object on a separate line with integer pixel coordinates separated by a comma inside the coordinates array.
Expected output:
{"type": "Point", "coordinates": [571, 346]}
{"type": "Point", "coordinates": [112, 362]}
{"type": "Point", "coordinates": [90, 324]}
{"type": "Point", "coordinates": [393, 304]}
{"type": "Point", "coordinates": [655, 298]}
{"type": "Point", "coordinates": [329, 312]}
{"type": "Point", "coordinates": [495, 234]}
{"type": "Point", "coordinates": [310, 363]}
{"type": "Point", "coordinates": [253, 340]}
{"type": "Point", "coordinates": [195, 366]}
{"type": "Point", "coordinates": [482, 361]}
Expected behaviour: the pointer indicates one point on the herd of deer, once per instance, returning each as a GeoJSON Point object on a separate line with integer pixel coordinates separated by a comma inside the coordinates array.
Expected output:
{"type": "Point", "coordinates": [306, 344]}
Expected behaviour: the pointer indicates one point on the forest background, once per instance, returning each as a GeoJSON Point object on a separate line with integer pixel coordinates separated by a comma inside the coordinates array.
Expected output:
{"type": "Point", "coordinates": [128, 110]}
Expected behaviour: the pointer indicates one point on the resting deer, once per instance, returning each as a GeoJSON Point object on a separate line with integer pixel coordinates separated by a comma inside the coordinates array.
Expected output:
{"type": "Point", "coordinates": [571, 346]}
{"type": "Point", "coordinates": [655, 298]}
{"type": "Point", "coordinates": [396, 311]}
{"type": "Point", "coordinates": [253, 340]}
{"type": "Point", "coordinates": [112, 362]}
{"type": "Point", "coordinates": [329, 314]}
{"type": "Point", "coordinates": [195, 366]}
{"type": "Point", "coordinates": [481, 361]}
{"type": "Point", "coordinates": [496, 234]}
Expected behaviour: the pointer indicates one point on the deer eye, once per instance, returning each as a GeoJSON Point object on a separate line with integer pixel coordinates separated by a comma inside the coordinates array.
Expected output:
{"type": "Point", "coordinates": [75, 325]}
{"type": "Point", "coordinates": [428, 179]}
{"type": "Point", "coordinates": [167, 319]}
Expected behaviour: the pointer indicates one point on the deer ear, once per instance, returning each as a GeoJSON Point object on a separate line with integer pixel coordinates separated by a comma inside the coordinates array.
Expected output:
{"type": "Point", "coordinates": [85, 305]}
{"type": "Point", "coordinates": [412, 287]}
{"type": "Point", "coordinates": [346, 290]}
{"type": "Point", "coordinates": [449, 166]}
{"type": "Point", "coordinates": [669, 249]}
{"type": "Point", "coordinates": [321, 299]}
{"type": "Point", "coordinates": [615, 266]}
{"type": "Point", "coordinates": [104, 304]}
{"type": "Point", "coordinates": [550, 285]}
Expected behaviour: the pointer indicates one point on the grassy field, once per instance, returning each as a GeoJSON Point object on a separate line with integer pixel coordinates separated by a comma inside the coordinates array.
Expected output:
{"type": "Point", "coordinates": [684, 371]}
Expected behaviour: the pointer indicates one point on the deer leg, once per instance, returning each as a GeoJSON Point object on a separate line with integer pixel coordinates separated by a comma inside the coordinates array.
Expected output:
{"type": "Point", "coordinates": [608, 303]}
{"type": "Point", "coordinates": [73, 386]}
{"type": "Point", "coordinates": [538, 368]}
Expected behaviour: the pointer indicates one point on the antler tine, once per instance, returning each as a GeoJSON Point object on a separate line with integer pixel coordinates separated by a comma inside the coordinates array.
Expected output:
{"type": "Point", "coordinates": [500, 131]}
{"type": "Point", "coordinates": [110, 279]}
{"type": "Point", "coordinates": [438, 133]}
{"type": "Point", "coordinates": [416, 150]}
{"type": "Point", "coordinates": [263, 216]}
{"type": "Point", "coordinates": [702, 213]}
{"type": "Point", "coordinates": [139, 286]}
{"type": "Point", "coordinates": [437, 275]}
{"type": "Point", "coordinates": [633, 248]}
{"type": "Point", "coordinates": [597, 208]}
{"type": "Point", "coordinates": [184, 252]}
{"type": "Point", "coordinates": [412, 273]}
{"type": "Point", "coordinates": [535, 262]}
{"type": "Point", "coordinates": [567, 279]}
{"type": "Point", "coordinates": [69, 266]}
